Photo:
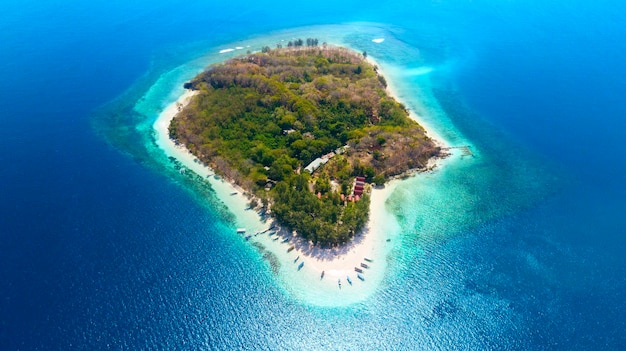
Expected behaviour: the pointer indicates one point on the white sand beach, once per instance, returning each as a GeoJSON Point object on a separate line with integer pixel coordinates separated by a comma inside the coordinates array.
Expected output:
{"type": "Point", "coordinates": [393, 92]}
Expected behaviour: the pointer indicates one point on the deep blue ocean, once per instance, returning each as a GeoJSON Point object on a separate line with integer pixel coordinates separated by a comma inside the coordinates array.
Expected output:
{"type": "Point", "coordinates": [103, 246]}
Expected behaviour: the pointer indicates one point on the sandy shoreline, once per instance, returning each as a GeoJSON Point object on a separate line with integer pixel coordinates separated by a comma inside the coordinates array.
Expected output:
{"type": "Point", "coordinates": [337, 264]}
{"type": "Point", "coordinates": [393, 92]}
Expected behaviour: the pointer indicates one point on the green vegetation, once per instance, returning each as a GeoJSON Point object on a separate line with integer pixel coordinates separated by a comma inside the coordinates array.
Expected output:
{"type": "Point", "coordinates": [260, 119]}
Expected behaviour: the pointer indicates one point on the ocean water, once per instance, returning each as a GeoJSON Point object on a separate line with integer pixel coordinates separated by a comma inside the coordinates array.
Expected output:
{"type": "Point", "coordinates": [104, 245]}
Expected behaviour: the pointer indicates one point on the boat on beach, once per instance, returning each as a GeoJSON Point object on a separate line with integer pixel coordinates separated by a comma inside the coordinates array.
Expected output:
{"type": "Point", "coordinates": [364, 265]}
{"type": "Point", "coordinates": [291, 248]}
{"type": "Point", "coordinates": [349, 280]}
{"type": "Point", "coordinates": [358, 270]}
{"type": "Point", "coordinates": [360, 277]}
{"type": "Point", "coordinates": [296, 260]}
{"type": "Point", "coordinates": [368, 259]}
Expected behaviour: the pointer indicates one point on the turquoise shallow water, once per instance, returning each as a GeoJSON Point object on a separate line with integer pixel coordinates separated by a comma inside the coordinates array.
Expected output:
{"type": "Point", "coordinates": [106, 246]}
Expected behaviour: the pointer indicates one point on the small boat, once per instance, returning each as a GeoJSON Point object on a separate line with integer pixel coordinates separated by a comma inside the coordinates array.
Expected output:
{"type": "Point", "coordinates": [357, 269]}
{"type": "Point", "coordinates": [349, 280]}
{"type": "Point", "coordinates": [290, 248]}
{"type": "Point", "coordinates": [339, 282]}
{"type": "Point", "coordinates": [248, 237]}
{"type": "Point", "coordinates": [388, 240]}
{"type": "Point", "coordinates": [296, 260]}
{"type": "Point", "coordinates": [276, 238]}
{"type": "Point", "coordinates": [360, 277]}
{"type": "Point", "coordinates": [300, 265]}
{"type": "Point", "coordinates": [322, 276]}
{"type": "Point", "coordinates": [364, 265]}
{"type": "Point", "coordinates": [285, 240]}
{"type": "Point", "coordinates": [241, 230]}
{"type": "Point", "coordinates": [233, 193]}
{"type": "Point", "coordinates": [368, 259]}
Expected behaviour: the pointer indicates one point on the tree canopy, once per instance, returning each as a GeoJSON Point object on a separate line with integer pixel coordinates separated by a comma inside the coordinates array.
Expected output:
{"type": "Point", "coordinates": [260, 119]}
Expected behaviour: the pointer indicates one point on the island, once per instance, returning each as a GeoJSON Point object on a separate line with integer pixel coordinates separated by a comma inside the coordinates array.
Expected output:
{"type": "Point", "coordinates": [306, 130]}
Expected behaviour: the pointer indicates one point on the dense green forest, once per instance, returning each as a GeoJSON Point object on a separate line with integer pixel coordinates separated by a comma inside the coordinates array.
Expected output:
{"type": "Point", "coordinates": [260, 119]}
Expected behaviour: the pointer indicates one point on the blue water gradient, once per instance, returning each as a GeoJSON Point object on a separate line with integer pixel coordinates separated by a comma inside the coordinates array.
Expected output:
{"type": "Point", "coordinates": [103, 245]}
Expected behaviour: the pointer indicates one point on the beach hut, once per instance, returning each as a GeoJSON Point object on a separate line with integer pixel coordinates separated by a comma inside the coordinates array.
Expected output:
{"type": "Point", "coordinates": [358, 190]}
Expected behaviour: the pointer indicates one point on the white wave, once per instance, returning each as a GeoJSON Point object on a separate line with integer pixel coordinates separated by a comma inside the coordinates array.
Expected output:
{"type": "Point", "coordinates": [226, 50]}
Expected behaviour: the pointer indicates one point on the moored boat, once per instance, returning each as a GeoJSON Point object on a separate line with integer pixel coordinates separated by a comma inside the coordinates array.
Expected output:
{"type": "Point", "coordinates": [357, 269]}
{"type": "Point", "coordinates": [349, 280]}
{"type": "Point", "coordinates": [360, 277]}
{"type": "Point", "coordinates": [300, 265]}
{"type": "Point", "coordinates": [364, 265]}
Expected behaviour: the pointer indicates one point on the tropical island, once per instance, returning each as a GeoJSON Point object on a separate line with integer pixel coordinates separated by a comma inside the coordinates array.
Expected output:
{"type": "Point", "coordinates": [306, 130]}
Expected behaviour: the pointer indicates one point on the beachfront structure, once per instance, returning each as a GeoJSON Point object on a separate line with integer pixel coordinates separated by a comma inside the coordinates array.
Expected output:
{"type": "Point", "coordinates": [358, 190]}
{"type": "Point", "coordinates": [317, 163]}
{"type": "Point", "coordinates": [359, 186]}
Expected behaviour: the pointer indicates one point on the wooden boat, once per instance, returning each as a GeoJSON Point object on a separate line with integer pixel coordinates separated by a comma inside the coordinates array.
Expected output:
{"type": "Point", "coordinates": [360, 277]}
{"type": "Point", "coordinates": [300, 265]}
{"type": "Point", "coordinates": [359, 270]}
{"type": "Point", "coordinates": [364, 265]}
{"type": "Point", "coordinates": [291, 248]}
